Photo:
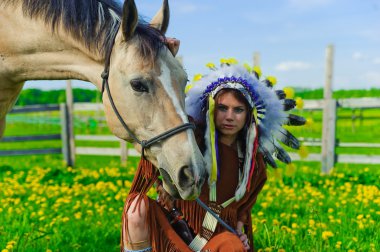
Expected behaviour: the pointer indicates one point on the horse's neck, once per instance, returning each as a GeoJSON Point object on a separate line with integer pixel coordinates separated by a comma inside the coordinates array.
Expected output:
{"type": "Point", "coordinates": [30, 51]}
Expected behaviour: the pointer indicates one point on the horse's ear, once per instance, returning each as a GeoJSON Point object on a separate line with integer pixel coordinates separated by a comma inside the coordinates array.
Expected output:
{"type": "Point", "coordinates": [161, 20]}
{"type": "Point", "coordinates": [130, 19]}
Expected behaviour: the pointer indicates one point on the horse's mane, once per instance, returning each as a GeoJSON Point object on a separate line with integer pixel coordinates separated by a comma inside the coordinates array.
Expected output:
{"type": "Point", "coordinates": [93, 22]}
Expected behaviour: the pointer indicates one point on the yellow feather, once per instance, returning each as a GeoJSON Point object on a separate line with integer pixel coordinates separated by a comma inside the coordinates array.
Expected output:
{"type": "Point", "coordinates": [248, 67]}
{"type": "Point", "coordinates": [197, 77]}
{"type": "Point", "coordinates": [272, 80]}
{"type": "Point", "coordinates": [257, 70]}
{"type": "Point", "coordinates": [210, 65]}
{"type": "Point", "coordinates": [232, 61]}
{"type": "Point", "coordinates": [289, 92]}
{"type": "Point", "coordinates": [188, 87]}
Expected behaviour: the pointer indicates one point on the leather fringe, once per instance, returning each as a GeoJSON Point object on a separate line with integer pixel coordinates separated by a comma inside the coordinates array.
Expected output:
{"type": "Point", "coordinates": [162, 236]}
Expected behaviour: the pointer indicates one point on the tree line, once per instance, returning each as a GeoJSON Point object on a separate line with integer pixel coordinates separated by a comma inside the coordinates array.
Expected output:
{"type": "Point", "coordinates": [37, 96]}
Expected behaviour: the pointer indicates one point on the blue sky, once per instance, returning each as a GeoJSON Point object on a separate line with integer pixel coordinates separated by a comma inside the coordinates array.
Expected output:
{"type": "Point", "coordinates": [290, 35]}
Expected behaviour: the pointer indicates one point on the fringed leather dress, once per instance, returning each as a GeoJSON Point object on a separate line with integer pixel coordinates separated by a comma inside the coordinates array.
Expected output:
{"type": "Point", "coordinates": [164, 238]}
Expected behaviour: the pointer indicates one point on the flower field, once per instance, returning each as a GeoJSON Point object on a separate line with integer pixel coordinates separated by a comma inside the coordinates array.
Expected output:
{"type": "Point", "coordinates": [45, 206]}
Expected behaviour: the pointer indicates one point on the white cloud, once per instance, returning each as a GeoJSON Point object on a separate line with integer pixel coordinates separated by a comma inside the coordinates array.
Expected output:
{"type": "Point", "coordinates": [358, 56]}
{"type": "Point", "coordinates": [292, 65]}
{"type": "Point", "coordinates": [376, 60]}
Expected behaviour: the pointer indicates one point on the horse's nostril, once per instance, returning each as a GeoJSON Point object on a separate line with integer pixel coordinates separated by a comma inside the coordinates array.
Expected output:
{"type": "Point", "coordinates": [185, 177]}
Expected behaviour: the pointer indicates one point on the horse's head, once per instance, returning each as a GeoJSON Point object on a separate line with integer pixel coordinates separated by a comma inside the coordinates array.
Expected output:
{"type": "Point", "coordinates": [147, 86]}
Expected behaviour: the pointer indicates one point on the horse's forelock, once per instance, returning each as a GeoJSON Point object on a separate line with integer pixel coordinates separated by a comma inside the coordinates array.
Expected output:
{"type": "Point", "coordinates": [151, 41]}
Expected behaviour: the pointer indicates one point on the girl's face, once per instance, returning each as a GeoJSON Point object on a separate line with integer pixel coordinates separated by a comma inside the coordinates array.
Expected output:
{"type": "Point", "coordinates": [230, 115]}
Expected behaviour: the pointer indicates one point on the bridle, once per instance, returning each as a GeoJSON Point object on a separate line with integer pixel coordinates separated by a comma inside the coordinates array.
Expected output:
{"type": "Point", "coordinates": [147, 143]}
{"type": "Point", "coordinates": [144, 143]}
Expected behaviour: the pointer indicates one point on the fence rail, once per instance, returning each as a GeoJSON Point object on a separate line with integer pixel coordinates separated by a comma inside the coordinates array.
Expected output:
{"type": "Point", "coordinates": [20, 152]}
{"type": "Point", "coordinates": [329, 142]}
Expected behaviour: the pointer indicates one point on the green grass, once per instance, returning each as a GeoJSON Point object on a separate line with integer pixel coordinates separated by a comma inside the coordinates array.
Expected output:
{"type": "Point", "coordinates": [46, 206]}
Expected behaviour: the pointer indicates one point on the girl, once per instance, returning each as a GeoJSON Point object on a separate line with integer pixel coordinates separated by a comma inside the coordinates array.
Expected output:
{"type": "Point", "coordinates": [238, 119]}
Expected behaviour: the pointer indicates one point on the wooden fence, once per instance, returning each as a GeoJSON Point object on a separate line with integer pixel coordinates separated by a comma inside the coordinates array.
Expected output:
{"type": "Point", "coordinates": [69, 149]}
{"type": "Point", "coordinates": [353, 103]}
{"type": "Point", "coordinates": [43, 137]}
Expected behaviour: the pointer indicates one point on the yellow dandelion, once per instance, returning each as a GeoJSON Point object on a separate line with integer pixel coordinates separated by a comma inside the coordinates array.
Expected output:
{"type": "Point", "coordinates": [360, 216]}
{"type": "Point", "coordinates": [9, 246]}
{"type": "Point", "coordinates": [290, 170]}
{"type": "Point", "coordinates": [5, 250]}
{"type": "Point", "coordinates": [78, 215]}
{"type": "Point", "coordinates": [355, 239]}
{"type": "Point", "coordinates": [264, 204]}
{"type": "Point", "coordinates": [326, 235]}
{"type": "Point", "coordinates": [260, 213]}
{"type": "Point", "coordinates": [299, 103]}
{"type": "Point", "coordinates": [289, 92]}
{"type": "Point", "coordinates": [311, 223]}
{"type": "Point", "coordinates": [295, 225]}
{"type": "Point", "coordinates": [275, 222]}
{"type": "Point", "coordinates": [281, 250]}
{"type": "Point", "coordinates": [303, 152]}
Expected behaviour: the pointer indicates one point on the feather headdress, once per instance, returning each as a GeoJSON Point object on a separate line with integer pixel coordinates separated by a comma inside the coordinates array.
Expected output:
{"type": "Point", "coordinates": [268, 114]}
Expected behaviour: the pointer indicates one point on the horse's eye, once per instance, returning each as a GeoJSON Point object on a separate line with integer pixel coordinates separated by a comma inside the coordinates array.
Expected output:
{"type": "Point", "coordinates": [139, 86]}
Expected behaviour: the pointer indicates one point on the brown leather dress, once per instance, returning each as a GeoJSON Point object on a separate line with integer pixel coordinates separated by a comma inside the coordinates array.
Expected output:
{"type": "Point", "coordinates": [162, 235]}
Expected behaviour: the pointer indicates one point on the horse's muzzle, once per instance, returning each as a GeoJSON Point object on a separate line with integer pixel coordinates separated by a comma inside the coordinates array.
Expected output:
{"type": "Point", "coordinates": [185, 186]}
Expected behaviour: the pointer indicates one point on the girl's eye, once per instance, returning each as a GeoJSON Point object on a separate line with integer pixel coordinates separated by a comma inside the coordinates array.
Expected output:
{"type": "Point", "coordinates": [239, 110]}
{"type": "Point", "coordinates": [222, 108]}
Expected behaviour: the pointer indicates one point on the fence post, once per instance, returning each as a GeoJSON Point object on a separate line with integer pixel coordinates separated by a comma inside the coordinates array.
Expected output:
{"type": "Point", "coordinates": [66, 148]}
{"type": "Point", "coordinates": [124, 152]}
{"type": "Point", "coordinates": [70, 121]}
{"type": "Point", "coordinates": [329, 116]}
{"type": "Point", "coordinates": [256, 59]}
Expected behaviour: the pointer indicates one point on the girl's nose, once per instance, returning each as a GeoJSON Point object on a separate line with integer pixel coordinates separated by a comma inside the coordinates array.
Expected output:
{"type": "Point", "coordinates": [229, 115]}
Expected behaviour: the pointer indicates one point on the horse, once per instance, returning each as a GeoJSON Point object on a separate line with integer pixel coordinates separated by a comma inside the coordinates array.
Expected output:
{"type": "Point", "coordinates": [71, 39]}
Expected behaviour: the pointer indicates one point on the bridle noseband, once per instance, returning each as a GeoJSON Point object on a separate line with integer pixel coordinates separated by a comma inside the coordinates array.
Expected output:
{"type": "Point", "coordinates": [144, 143]}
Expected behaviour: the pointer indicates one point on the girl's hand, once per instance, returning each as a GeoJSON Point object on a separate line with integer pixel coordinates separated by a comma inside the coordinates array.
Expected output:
{"type": "Point", "coordinates": [243, 237]}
